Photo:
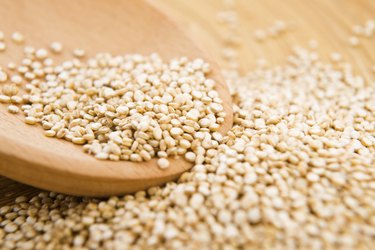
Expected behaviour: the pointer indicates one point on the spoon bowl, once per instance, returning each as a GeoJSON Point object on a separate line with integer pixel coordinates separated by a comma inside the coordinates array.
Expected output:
{"type": "Point", "coordinates": [117, 27]}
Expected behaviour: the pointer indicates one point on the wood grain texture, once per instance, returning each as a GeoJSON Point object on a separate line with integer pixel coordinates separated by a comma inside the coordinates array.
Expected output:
{"type": "Point", "coordinates": [327, 21]}
{"type": "Point", "coordinates": [114, 26]}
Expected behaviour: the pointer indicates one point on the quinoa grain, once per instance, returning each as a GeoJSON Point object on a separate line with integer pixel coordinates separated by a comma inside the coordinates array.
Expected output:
{"type": "Point", "coordinates": [2, 46]}
{"type": "Point", "coordinates": [13, 109]}
{"type": "Point", "coordinates": [56, 47]}
{"type": "Point", "coordinates": [17, 37]}
{"type": "Point", "coordinates": [163, 163]}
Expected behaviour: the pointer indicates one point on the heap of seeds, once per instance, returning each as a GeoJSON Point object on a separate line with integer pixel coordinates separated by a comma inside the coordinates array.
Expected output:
{"type": "Point", "coordinates": [295, 172]}
{"type": "Point", "coordinates": [128, 107]}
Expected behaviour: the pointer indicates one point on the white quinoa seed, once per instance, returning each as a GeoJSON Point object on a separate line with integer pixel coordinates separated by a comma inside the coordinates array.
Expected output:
{"type": "Point", "coordinates": [353, 41]}
{"type": "Point", "coordinates": [30, 120]}
{"type": "Point", "coordinates": [17, 79]}
{"type": "Point", "coordinates": [41, 54]}
{"type": "Point", "coordinates": [79, 53]}
{"type": "Point", "coordinates": [2, 46]}
{"type": "Point", "coordinates": [193, 114]}
{"type": "Point", "coordinates": [4, 99]}
{"type": "Point", "coordinates": [13, 109]}
{"type": "Point", "coordinates": [3, 76]}
{"type": "Point", "coordinates": [163, 163]}
{"type": "Point", "coordinates": [11, 66]}
{"type": "Point", "coordinates": [17, 37]}
{"type": "Point", "coordinates": [190, 156]}
{"type": "Point", "coordinates": [56, 47]}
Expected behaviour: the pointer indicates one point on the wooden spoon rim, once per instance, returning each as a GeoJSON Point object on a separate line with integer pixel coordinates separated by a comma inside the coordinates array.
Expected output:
{"type": "Point", "coordinates": [108, 170]}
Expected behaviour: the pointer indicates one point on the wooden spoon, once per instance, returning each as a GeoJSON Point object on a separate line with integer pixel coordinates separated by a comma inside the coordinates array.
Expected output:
{"type": "Point", "coordinates": [115, 26]}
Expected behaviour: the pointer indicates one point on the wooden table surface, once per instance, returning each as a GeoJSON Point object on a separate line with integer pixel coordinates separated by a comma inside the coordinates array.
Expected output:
{"type": "Point", "coordinates": [329, 22]}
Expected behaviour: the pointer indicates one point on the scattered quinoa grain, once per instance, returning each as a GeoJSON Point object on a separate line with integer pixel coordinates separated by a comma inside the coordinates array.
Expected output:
{"type": "Point", "coordinates": [336, 57]}
{"type": "Point", "coordinates": [2, 46]}
{"type": "Point", "coordinates": [17, 37]}
{"type": "Point", "coordinates": [260, 35]}
{"type": "Point", "coordinates": [9, 89]}
{"type": "Point", "coordinates": [3, 76]}
{"type": "Point", "coordinates": [11, 66]}
{"type": "Point", "coordinates": [41, 54]}
{"type": "Point", "coordinates": [79, 53]}
{"type": "Point", "coordinates": [56, 47]}
{"type": "Point", "coordinates": [4, 99]}
{"type": "Point", "coordinates": [353, 41]}
{"type": "Point", "coordinates": [13, 109]}
{"type": "Point", "coordinates": [17, 79]}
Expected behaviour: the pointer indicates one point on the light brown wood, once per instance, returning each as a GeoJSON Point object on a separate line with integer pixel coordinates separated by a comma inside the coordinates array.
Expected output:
{"type": "Point", "coordinates": [114, 26]}
{"type": "Point", "coordinates": [327, 21]}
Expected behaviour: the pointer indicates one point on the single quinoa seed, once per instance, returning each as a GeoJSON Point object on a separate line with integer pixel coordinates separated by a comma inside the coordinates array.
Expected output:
{"type": "Point", "coordinates": [2, 46]}
{"type": "Point", "coordinates": [353, 41]}
{"type": "Point", "coordinates": [163, 163]}
{"type": "Point", "coordinates": [79, 53]}
{"type": "Point", "coordinates": [13, 109]}
{"type": "Point", "coordinates": [56, 47]}
{"type": "Point", "coordinates": [3, 76]}
{"type": "Point", "coordinates": [18, 38]}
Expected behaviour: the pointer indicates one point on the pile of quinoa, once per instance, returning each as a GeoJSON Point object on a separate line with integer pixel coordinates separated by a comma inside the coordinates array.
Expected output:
{"type": "Point", "coordinates": [296, 171]}
{"type": "Point", "coordinates": [129, 107]}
